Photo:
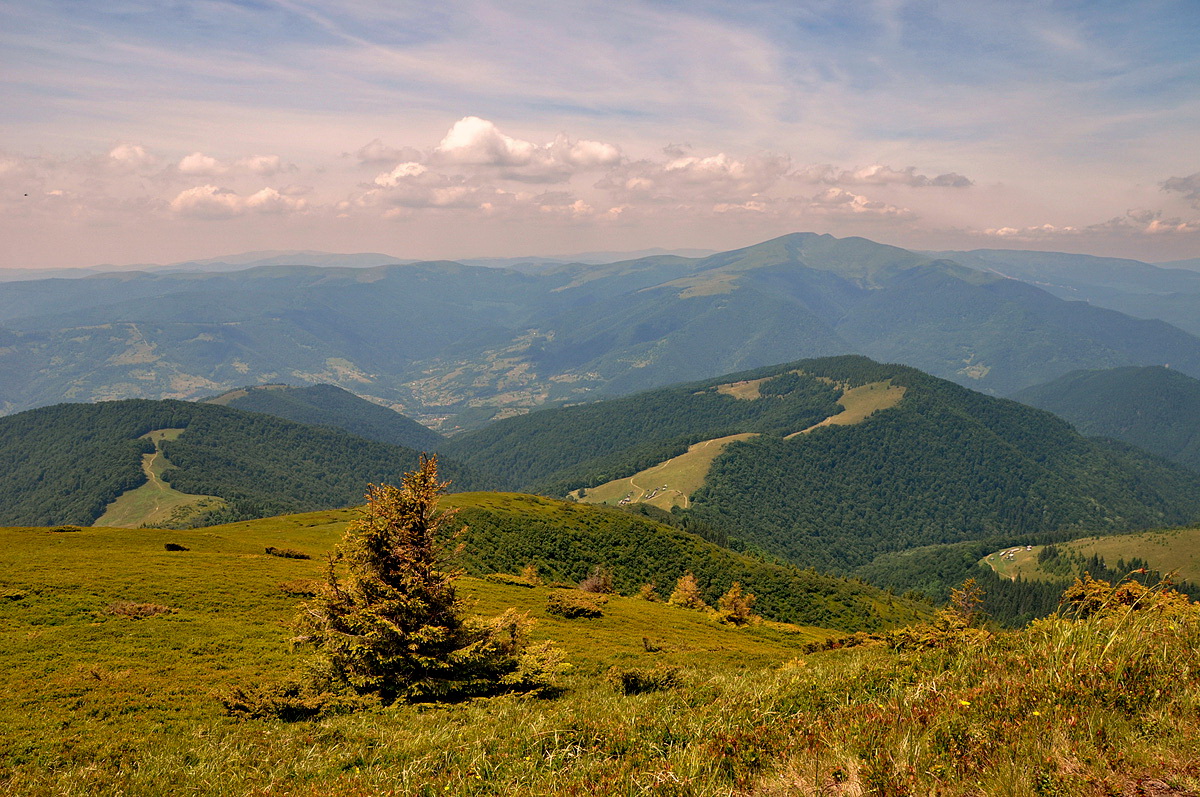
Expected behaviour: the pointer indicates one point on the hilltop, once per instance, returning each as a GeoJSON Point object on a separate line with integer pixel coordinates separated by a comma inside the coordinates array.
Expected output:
{"type": "Point", "coordinates": [833, 462]}
{"type": "Point", "coordinates": [123, 702]}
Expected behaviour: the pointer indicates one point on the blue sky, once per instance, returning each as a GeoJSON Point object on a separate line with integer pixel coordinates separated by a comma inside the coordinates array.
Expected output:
{"type": "Point", "coordinates": [158, 131]}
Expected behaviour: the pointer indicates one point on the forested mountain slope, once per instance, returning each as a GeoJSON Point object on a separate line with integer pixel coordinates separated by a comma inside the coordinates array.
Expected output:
{"type": "Point", "coordinates": [1154, 408]}
{"type": "Point", "coordinates": [944, 464]}
{"type": "Point", "coordinates": [66, 463]}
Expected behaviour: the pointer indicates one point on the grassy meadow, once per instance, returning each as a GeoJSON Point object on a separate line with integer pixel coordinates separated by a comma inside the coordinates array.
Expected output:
{"type": "Point", "coordinates": [155, 502]}
{"type": "Point", "coordinates": [1169, 551]}
{"type": "Point", "coordinates": [98, 701]}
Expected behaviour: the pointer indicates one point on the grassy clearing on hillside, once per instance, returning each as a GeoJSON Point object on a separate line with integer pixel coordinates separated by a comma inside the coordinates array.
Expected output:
{"type": "Point", "coordinates": [859, 403]}
{"type": "Point", "coordinates": [100, 704]}
{"type": "Point", "coordinates": [1169, 551]}
{"type": "Point", "coordinates": [667, 484]}
{"type": "Point", "coordinates": [155, 502]}
{"type": "Point", "coordinates": [672, 483]}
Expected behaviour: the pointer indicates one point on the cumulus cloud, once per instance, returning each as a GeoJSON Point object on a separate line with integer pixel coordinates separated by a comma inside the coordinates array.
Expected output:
{"type": "Point", "coordinates": [266, 165]}
{"type": "Point", "coordinates": [133, 156]}
{"type": "Point", "coordinates": [212, 202]}
{"type": "Point", "coordinates": [376, 153]}
{"type": "Point", "coordinates": [878, 174]}
{"type": "Point", "coordinates": [200, 164]}
{"type": "Point", "coordinates": [1188, 186]}
{"type": "Point", "coordinates": [476, 142]}
{"type": "Point", "coordinates": [841, 201]}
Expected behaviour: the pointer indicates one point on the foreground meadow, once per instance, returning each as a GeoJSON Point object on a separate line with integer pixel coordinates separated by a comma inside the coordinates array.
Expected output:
{"type": "Point", "coordinates": [100, 701]}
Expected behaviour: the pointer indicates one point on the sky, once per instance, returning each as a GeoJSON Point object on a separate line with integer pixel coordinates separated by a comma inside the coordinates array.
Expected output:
{"type": "Point", "coordinates": [139, 131]}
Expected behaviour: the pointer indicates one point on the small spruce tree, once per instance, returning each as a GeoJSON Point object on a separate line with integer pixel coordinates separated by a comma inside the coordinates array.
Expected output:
{"type": "Point", "coordinates": [687, 593]}
{"type": "Point", "coordinates": [393, 624]}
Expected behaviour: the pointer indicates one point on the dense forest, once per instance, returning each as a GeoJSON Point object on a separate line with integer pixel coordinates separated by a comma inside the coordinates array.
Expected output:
{"type": "Point", "coordinates": [64, 464]}
{"type": "Point", "coordinates": [945, 465]}
{"type": "Point", "coordinates": [1155, 408]}
{"type": "Point", "coordinates": [506, 532]}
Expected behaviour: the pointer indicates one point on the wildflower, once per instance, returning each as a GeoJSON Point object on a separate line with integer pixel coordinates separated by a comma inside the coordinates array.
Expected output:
{"type": "Point", "coordinates": [1037, 713]}
{"type": "Point", "coordinates": [964, 702]}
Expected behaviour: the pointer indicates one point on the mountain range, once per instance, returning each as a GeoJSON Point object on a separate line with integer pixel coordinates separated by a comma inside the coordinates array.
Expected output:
{"type": "Point", "coordinates": [455, 346]}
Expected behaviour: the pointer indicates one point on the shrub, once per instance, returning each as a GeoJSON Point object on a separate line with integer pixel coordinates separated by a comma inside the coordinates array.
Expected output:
{"type": "Point", "coordinates": [734, 606]}
{"type": "Point", "coordinates": [300, 587]}
{"type": "Point", "coordinates": [289, 701]}
{"type": "Point", "coordinates": [600, 580]}
{"type": "Point", "coordinates": [137, 611]}
{"type": "Point", "coordinates": [509, 579]}
{"type": "Point", "coordinates": [530, 573]}
{"type": "Point", "coordinates": [572, 604]}
{"type": "Point", "coordinates": [634, 681]}
{"type": "Point", "coordinates": [174, 546]}
{"type": "Point", "coordinates": [287, 553]}
{"type": "Point", "coordinates": [647, 592]}
{"type": "Point", "coordinates": [687, 593]}
{"type": "Point", "coordinates": [64, 529]}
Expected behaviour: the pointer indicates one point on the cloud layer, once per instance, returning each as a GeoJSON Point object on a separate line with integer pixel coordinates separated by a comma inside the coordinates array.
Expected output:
{"type": "Point", "coordinates": [502, 128]}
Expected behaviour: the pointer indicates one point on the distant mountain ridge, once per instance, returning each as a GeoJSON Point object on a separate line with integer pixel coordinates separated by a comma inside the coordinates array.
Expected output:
{"type": "Point", "coordinates": [455, 346]}
{"type": "Point", "coordinates": [1154, 408]}
{"type": "Point", "coordinates": [327, 405]}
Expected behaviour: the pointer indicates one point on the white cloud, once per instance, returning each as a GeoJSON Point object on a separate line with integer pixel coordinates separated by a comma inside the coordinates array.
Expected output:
{"type": "Point", "coordinates": [402, 172]}
{"type": "Point", "coordinates": [200, 164]}
{"type": "Point", "coordinates": [476, 142]}
{"type": "Point", "coordinates": [717, 178]}
{"type": "Point", "coordinates": [133, 156]}
{"type": "Point", "coordinates": [376, 153]}
{"type": "Point", "coordinates": [266, 165]}
{"type": "Point", "coordinates": [212, 202]}
{"type": "Point", "coordinates": [1137, 222]}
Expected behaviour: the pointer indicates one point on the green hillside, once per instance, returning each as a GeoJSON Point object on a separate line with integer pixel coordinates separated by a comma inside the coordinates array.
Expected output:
{"type": "Point", "coordinates": [67, 463]}
{"type": "Point", "coordinates": [102, 701]}
{"type": "Point", "coordinates": [1154, 408]}
{"type": "Point", "coordinates": [327, 405]}
{"type": "Point", "coordinates": [944, 464]}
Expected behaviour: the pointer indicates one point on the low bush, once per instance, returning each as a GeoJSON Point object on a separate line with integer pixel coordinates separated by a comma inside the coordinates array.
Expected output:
{"type": "Point", "coordinates": [300, 587]}
{"type": "Point", "coordinates": [510, 580]}
{"type": "Point", "coordinates": [137, 611]}
{"type": "Point", "coordinates": [174, 546]}
{"type": "Point", "coordinates": [635, 681]}
{"type": "Point", "coordinates": [289, 701]}
{"type": "Point", "coordinates": [287, 553]}
{"type": "Point", "coordinates": [572, 604]}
